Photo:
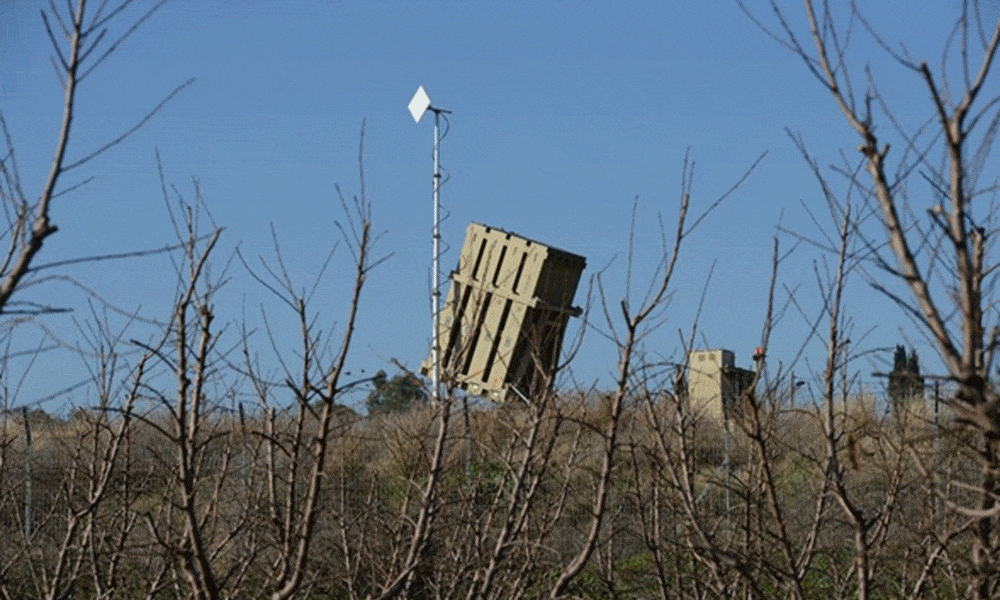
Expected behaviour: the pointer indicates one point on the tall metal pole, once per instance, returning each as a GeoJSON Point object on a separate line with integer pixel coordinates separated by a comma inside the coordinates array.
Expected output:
{"type": "Point", "coordinates": [791, 394]}
{"type": "Point", "coordinates": [436, 245]}
{"type": "Point", "coordinates": [420, 104]}
{"type": "Point", "coordinates": [28, 526]}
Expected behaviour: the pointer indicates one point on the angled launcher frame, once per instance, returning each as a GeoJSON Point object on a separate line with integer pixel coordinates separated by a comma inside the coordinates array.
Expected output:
{"type": "Point", "coordinates": [505, 318]}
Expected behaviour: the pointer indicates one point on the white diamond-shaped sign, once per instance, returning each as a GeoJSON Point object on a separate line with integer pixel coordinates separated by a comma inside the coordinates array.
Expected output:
{"type": "Point", "coordinates": [419, 104]}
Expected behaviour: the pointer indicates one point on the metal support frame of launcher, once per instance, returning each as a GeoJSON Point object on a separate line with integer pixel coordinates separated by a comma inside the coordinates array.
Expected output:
{"type": "Point", "coordinates": [503, 324]}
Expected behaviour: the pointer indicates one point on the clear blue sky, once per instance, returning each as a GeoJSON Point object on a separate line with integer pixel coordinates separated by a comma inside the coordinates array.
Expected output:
{"type": "Point", "coordinates": [564, 113]}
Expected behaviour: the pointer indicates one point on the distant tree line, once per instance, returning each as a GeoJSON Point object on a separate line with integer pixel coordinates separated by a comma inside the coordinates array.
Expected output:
{"type": "Point", "coordinates": [905, 382]}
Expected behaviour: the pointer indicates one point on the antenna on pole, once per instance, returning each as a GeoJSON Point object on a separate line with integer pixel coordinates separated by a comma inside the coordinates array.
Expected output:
{"type": "Point", "coordinates": [420, 104]}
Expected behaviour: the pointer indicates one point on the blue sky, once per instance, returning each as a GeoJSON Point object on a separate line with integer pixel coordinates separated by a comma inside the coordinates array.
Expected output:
{"type": "Point", "coordinates": [563, 114]}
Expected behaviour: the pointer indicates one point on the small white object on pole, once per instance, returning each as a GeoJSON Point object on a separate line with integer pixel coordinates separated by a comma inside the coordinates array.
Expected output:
{"type": "Point", "coordinates": [419, 104]}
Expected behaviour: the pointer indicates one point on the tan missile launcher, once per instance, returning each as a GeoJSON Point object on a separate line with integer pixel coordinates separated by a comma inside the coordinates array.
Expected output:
{"type": "Point", "coordinates": [503, 324]}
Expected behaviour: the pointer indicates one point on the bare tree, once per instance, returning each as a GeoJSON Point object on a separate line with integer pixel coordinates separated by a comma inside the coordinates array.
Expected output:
{"type": "Point", "coordinates": [942, 259]}
{"type": "Point", "coordinates": [81, 40]}
{"type": "Point", "coordinates": [296, 482]}
{"type": "Point", "coordinates": [628, 337]}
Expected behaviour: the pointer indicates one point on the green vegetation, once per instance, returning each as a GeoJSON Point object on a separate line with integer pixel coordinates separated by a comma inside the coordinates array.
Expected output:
{"type": "Point", "coordinates": [402, 392]}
